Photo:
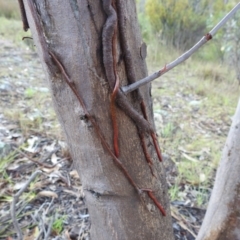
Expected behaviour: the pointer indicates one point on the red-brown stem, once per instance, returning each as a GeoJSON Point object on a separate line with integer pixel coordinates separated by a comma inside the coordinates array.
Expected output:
{"type": "Point", "coordinates": [159, 206]}
{"type": "Point", "coordinates": [114, 118]}
{"type": "Point", "coordinates": [155, 142]}
{"type": "Point", "coordinates": [145, 151]}
{"type": "Point", "coordinates": [153, 135]}
{"type": "Point", "coordinates": [148, 158]}
{"type": "Point", "coordinates": [92, 120]}
{"type": "Point", "coordinates": [114, 92]}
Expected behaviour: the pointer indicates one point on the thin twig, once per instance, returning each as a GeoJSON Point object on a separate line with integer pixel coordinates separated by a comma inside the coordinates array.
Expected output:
{"type": "Point", "coordinates": [50, 205]}
{"type": "Point", "coordinates": [183, 57]}
{"type": "Point", "coordinates": [42, 223]}
{"type": "Point", "coordinates": [39, 219]}
{"type": "Point", "coordinates": [15, 199]}
{"type": "Point", "coordinates": [42, 160]}
{"type": "Point", "coordinates": [27, 38]}
{"type": "Point", "coordinates": [49, 228]}
{"type": "Point", "coordinates": [39, 235]}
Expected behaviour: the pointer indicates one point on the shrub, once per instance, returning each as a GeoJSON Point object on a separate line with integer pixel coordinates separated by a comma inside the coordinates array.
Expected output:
{"type": "Point", "coordinates": [179, 22]}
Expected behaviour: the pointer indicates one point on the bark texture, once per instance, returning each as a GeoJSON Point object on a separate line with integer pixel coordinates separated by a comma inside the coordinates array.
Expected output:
{"type": "Point", "coordinates": [73, 32]}
{"type": "Point", "coordinates": [222, 220]}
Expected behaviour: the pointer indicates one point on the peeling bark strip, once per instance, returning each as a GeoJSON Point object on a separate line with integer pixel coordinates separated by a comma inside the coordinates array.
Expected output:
{"type": "Point", "coordinates": [109, 60]}
{"type": "Point", "coordinates": [132, 76]}
{"type": "Point", "coordinates": [107, 39]}
{"type": "Point", "coordinates": [114, 117]}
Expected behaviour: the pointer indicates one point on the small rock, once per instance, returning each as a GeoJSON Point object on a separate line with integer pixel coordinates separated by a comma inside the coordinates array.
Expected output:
{"type": "Point", "coordinates": [5, 87]}
{"type": "Point", "coordinates": [195, 103]}
{"type": "Point", "coordinates": [5, 149]}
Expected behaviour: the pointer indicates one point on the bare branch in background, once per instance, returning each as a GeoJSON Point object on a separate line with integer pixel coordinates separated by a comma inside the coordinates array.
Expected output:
{"type": "Point", "coordinates": [183, 57]}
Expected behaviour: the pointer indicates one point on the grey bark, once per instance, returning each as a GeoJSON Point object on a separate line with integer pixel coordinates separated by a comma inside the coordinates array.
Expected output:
{"type": "Point", "coordinates": [73, 31]}
{"type": "Point", "coordinates": [222, 220]}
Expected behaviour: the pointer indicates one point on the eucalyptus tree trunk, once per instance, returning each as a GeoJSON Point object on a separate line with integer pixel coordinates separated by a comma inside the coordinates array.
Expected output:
{"type": "Point", "coordinates": [72, 31]}
{"type": "Point", "coordinates": [222, 219]}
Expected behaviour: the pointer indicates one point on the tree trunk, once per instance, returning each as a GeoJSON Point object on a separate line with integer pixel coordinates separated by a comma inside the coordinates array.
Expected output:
{"type": "Point", "coordinates": [72, 31]}
{"type": "Point", "coordinates": [222, 219]}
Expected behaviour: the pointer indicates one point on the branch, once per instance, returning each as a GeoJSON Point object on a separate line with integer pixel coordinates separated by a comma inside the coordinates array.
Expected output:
{"type": "Point", "coordinates": [183, 57]}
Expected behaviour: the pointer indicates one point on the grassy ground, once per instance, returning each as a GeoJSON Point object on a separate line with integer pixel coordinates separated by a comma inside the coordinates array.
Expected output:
{"type": "Point", "coordinates": [9, 9]}
{"type": "Point", "coordinates": [193, 105]}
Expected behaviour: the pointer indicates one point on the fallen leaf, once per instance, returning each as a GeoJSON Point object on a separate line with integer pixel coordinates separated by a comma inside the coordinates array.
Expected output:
{"type": "Point", "coordinates": [34, 233]}
{"type": "Point", "coordinates": [50, 170]}
{"type": "Point", "coordinates": [74, 174]}
{"type": "Point", "coordinates": [47, 194]}
{"type": "Point", "coordinates": [54, 158]}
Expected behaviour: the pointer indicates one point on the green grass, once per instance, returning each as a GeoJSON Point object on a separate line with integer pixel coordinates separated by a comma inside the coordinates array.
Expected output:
{"type": "Point", "coordinates": [36, 114]}
{"type": "Point", "coordinates": [30, 92]}
{"type": "Point", "coordinates": [174, 192]}
{"type": "Point", "coordinates": [5, 161]}
{"type": "Point", "coordinates": [11, 29]}
{"type": "Point", "coordinates": [168, 130]}
{"type": "Point", "coordinates": [199, 120]}
{"type": "Point", "coordinates": [58, 224]}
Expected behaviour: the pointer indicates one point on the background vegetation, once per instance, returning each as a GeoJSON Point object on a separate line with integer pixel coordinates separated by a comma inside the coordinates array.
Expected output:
{"type": "Point", "coordinates": [209, 78]}
{"type": "Point", "coordinates": [9, 9]}
{"type": "Point", "coordinates": [180, 24]}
